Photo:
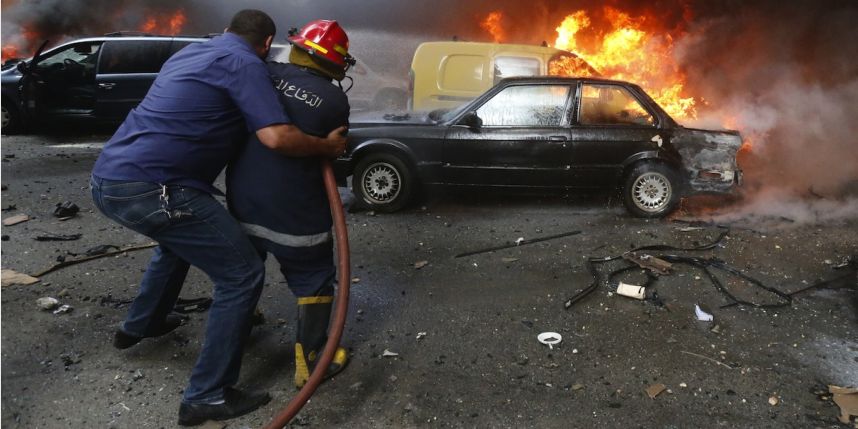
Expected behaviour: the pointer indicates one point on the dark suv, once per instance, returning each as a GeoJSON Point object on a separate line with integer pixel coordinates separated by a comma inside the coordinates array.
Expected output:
{"type": "Point", "coordinates": [96, 79]}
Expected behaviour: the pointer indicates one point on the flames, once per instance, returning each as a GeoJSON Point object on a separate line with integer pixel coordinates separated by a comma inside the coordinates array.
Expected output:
{"type": "Point", "coordinates": [155, 22]}
{"type": "Point", "coordinates": [620, 47]}
{"type": "Point", "coordinates": [492, 24]}
{"type": "Point", "coordinates": [169, 24]}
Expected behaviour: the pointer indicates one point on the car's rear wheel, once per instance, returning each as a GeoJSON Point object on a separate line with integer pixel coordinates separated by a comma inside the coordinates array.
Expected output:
{"type": "Point", "coordinates": [651, 190]}
{"type": "Point", "coordinates": [382, 182]}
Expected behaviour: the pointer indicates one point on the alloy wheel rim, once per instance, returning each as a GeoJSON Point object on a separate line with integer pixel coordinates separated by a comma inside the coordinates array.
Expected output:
{"type": "Point", "coordinates": [651, 192]}
{"type": "Point", "coordinates": [381, 183]}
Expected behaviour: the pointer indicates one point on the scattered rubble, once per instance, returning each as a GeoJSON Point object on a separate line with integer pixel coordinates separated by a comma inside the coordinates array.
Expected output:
{"type": "Point", "coordinates": [66, 210]}
{"type": "Point", "coordinates": [12, 277]}
{"type": "Point", "coordinates": [47, 303]}
{"type": "Point", "coordinates": [14, 220]}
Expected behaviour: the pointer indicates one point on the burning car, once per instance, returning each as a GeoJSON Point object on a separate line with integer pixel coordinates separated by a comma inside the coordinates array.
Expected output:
{"type": "Point", "coordinates": [542, 134]}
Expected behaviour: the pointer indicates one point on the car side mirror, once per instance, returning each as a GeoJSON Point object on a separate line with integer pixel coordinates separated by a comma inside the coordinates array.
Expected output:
{"type": "Point", "coordinates": [471, 120]}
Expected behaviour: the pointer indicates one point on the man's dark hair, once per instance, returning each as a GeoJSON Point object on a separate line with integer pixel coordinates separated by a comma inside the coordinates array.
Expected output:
{"type": "Point", "coordinates": [252, 25]}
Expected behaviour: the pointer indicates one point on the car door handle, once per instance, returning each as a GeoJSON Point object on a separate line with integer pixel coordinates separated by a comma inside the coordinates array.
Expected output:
{"type": "Point", "coordinates": [109, 85]}
{"type": "Point", "coordinates": [558, 138]}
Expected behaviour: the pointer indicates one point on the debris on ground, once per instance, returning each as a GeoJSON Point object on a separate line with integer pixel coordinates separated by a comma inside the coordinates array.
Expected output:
{"type": "Point", "coordinates": [847, 399]}
{"type": "Point", "coordinates": [97, 254]}
{"type": "Point", "coordinates": [774, 400]}
{"type": "Point", "coordinates": [420, 335]}
{"type": "Point", "coordinates": [99, 250]}
{"type": "Point", "coordinates": [388, 353]}
{"type": "Point", "coordinates": [420, 264]}
{"type": "Point", "coordinates": [508, 260]}
{"type": "Point", "coordinates": [631, 291]}
{"type": "Point", "coordinates": [47, 303]}
{"type": "Point", "coordinates": [649, 262]}
{"type": "Point", "coordinates": [4, 237]}
{"type": "Point", "coordinates": [195, 305]}
{"type": "Point", "coordinates": [12, 277]}
{"type": "Point", "coordinates": [520, 242]}
{"type": "Point", "coordinates": [9, 208]}
{"type": "Point", "coordinates": [702, 315]}
{"type": "Point", "coordinates": [549, 339]}
{"type": "Point", "coordinates": [48, 236]}
{"type": "Point", "coordinates": [655, 390]}
{"type": "Point", "coordinates": [14, 220]}
{"type": "Point", "coordinates": [66, 210]}
{"type": "Point", "coordinates": [65, 308]}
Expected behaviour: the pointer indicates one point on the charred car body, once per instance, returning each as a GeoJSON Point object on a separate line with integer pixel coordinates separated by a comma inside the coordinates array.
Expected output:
{"type": "Point", "coordinates": [543, 134]}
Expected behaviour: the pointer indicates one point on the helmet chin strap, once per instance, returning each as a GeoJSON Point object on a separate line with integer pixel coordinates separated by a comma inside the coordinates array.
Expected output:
{"type": "Point", "coordinates": [351, 84]}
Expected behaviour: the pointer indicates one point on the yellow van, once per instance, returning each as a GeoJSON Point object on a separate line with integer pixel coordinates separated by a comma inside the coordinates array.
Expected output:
{"type": "Point", "coordinates": [446, 74]}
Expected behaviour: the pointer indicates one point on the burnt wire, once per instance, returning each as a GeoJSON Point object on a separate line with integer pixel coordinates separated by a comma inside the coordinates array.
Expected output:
{"type": "Point", "coordinates": [702, 263]}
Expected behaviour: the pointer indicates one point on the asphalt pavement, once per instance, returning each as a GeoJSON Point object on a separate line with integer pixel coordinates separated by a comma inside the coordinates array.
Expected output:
{"type": "Point", "coordinates": [438, 340]}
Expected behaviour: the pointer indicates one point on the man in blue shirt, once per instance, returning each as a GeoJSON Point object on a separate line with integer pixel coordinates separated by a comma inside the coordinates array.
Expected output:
{"type": "Point", "coordinates": [280, 200]}
{"type": "Point", "coordinates": [155, 177]}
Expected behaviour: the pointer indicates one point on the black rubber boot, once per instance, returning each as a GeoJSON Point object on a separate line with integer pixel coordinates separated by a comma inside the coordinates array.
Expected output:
{"type": "Point", "coordinates": [314, 315]}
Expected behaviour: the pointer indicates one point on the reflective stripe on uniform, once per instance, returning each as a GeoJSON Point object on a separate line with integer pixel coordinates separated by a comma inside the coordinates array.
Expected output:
{"type": "Point", "coordinates": [306, 300]}
{"type": "Point", "coordinates": [287, 239]}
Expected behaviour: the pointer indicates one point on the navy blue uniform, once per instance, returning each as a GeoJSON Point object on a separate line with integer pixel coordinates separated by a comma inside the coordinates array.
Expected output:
{"type": "Point", "coordinates": [280, 201]}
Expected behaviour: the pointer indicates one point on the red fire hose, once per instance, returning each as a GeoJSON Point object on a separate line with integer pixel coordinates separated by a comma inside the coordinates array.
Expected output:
{"type": "Point", "coordinates": [340, 310]}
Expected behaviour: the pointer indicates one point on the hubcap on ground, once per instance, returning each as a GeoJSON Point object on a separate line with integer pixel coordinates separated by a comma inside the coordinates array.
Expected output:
{"type": "Point", "coordinates": [381, 183]}
{"type": "Point", "coordinates": [651, 192]}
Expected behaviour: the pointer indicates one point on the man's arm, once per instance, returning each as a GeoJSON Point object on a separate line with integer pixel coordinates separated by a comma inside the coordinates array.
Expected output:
{"type": "Point", "coordinates": [290, 140]}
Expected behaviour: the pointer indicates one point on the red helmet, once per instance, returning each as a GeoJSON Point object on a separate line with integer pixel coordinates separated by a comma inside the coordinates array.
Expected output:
{"type": "Point", "coordinates": [326, 40]}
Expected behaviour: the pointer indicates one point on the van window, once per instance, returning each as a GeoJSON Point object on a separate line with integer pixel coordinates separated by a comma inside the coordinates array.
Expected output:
{"type": "Point", "coordinates": [134, 56]}
{"type": "Point", "coordinates": [515, 66]}
{"type": "Point", "coordinates": [611, 105]}
{"type": "Point", "coordinates": [461, 73]}
{"type": "Point", "coordinates": [526, 105]}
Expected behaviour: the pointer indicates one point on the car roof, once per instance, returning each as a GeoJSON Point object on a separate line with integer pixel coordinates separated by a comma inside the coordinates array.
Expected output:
{"type": "Point", "coordinates": [560, 79]}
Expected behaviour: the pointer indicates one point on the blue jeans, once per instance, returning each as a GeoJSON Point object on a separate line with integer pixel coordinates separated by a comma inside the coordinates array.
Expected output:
{"type": "Point", "coordinates": [191, 228]}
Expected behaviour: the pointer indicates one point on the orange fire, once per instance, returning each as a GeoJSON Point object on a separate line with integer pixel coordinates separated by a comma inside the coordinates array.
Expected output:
{"type": "Point", "coordinates": [626, 51]}
{"type": "Point", "coordinates": [619, 47]}
{"type": "Point", "coordinates": [164, 24]}
{"type": "Point", "coordinates": [28, 39]}
{"type": "Point", "coordinates": [492, 24]}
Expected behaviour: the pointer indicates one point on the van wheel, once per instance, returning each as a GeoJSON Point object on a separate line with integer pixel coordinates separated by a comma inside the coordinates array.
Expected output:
{"type": "Point", "coordinates": [382, 182]}
{"type": "Point", "coordinates": [11, 120]}
{"type": "Point", "coordinates": [651, 190]}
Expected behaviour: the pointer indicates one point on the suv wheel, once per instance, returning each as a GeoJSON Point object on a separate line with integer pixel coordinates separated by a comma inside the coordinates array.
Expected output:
{"type": "Point", "coordinates": [651, 190]}
{"type": "Point", "coordinates": [382, 182]}
{"type": "Point", "coordinates": [11, 120]}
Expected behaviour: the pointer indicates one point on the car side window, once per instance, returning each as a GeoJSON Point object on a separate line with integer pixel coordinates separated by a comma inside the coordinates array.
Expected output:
{"type": "Point", "coordinates": [515, 66]}
{"type": "Point", "coordinates": [133, 56]}
{"type": "Point", "coordinates": [526, 105]}
{"type": "Point", "coordinates": [605, 104]}
{"type": "Point", "coordinates": [79, 56]}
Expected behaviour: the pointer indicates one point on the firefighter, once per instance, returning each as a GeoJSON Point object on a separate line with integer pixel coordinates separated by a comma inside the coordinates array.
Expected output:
{"type": "Point", "coordinates": [280, 200]}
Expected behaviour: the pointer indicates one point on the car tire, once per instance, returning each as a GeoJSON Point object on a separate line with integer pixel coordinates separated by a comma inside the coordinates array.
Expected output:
{"type": "Point", "coordinates": [390, 99]}
{"type": "Point", "coordinates": [11, 120]}
{"type": "Point", "coordinates": [651, 190]}
{"type": "Point", "coordinates": [382, 182]}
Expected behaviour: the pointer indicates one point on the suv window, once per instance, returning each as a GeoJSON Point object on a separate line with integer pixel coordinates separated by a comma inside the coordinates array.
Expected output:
{"type": "Point", "coordinates": [611, 105]}
{"type": "Point", "coordinates": [78, 55]}
{"type": "Point", "coordinates": [133, 56]}
{"type": "Point", "coordinates": [526, 105]}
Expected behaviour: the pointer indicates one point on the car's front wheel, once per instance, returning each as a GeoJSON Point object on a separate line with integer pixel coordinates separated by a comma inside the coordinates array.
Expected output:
{"type": "Point", "coordinates": [651, 190]}
{"type": "Point", "coordinates": [382, 182]}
